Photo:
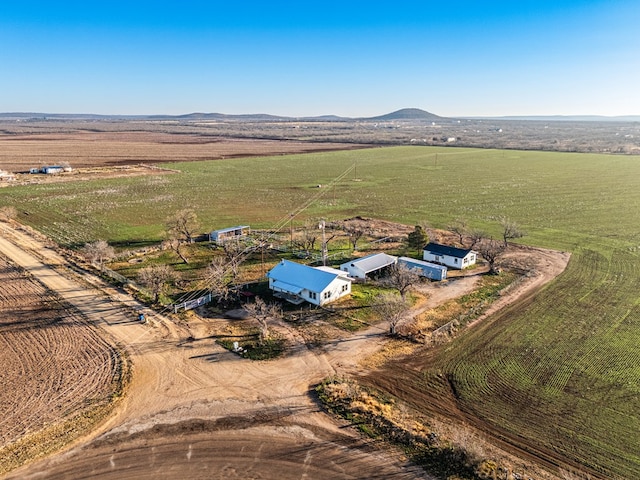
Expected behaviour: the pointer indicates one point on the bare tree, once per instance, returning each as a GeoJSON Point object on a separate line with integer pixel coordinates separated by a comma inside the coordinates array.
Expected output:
{"type": "Point", "coordinates": [307, 240]}
{"type": "Point", "coordinates": [355, 230]}
{"type": "Point", "coordinates": [418, 238]}
{"type": "Point", "coordinates": [402, 278]}
{"type": "Point", "coordinates": [391, 308]}
{"type": "Point", "coordinates": [155, 278]}
{"type": "Point", "coordinates": [221, 275]}
{"type": "Point", "coordinates": [234, 252]}
{"type": "Point", "coordinates": [491, 250]}
{"type": "Point", "coordinates": [510, 230]}
{"type": "Point", "coordinates": [8, 212]}
{"type": "Point", "coordinates": [183, 225]}
{"type": "Point", "coordinates": [98, 252]}
{"type": "Point", "coordinates": [460, 228]}
{"type": "Point", "coordinates": [475, 236]}
{"type": "Point", "coordinates": [264, 313]}
{"type": "Point", "coordinates": [175, 244]}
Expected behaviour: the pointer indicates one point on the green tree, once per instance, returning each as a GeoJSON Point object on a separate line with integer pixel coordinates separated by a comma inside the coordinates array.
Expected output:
{"type": "Point", "coordinates": [418, 238]}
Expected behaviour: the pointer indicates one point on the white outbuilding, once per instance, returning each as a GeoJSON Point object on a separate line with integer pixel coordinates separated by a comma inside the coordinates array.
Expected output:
{"type": "Point", "coordinates": [361, 267]}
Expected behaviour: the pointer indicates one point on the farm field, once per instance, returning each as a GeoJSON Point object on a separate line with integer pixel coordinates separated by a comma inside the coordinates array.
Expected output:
{"type": "Point", "coordinates": [87, 148]}
{"type": "Point", "coordinates": [562, 200]}
{"type": "Point", "coordinates": [555, 377]}
{"type": "Point", "coordinates": [58, 373]}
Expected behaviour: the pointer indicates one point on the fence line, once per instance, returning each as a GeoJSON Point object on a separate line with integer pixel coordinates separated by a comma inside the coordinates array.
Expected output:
{"type": "Point", "coordinates": [191, 304]}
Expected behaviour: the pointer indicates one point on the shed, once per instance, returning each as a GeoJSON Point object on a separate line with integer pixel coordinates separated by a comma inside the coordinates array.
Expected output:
{"type": "Point", "coordinates": [450, 256]}
{"type": "Point", "coordinates": [52, 169]}
{"type": "Point", "coordinates": [425, 269]}
{"type": "Point", "coordinates": [231, 233]}
{"type": "Point", "coordinates": [298, 283]}
{"type": "Point", "coordinates": [361, 267]}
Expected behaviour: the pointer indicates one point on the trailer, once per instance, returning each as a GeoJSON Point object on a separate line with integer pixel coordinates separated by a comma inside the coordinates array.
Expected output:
{"type": "Point", "coordinates": [425, 269]}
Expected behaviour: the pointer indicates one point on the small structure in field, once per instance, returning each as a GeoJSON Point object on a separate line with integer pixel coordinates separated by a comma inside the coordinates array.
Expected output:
{"type": "Point", "coordinates": [231, 233]}
{"type": "Point", "coordinates": [6, 176]}
{"type": "Point", "coordinates": [425, 269]}
{"type": "Point", "coordinates": [361, 267]}
{"type": "Point", "coordinates": [297, 283]}
{"type": "Point", "coordinates": [450, 256]}
{"type": "Point", "coordinates": [52, 169]}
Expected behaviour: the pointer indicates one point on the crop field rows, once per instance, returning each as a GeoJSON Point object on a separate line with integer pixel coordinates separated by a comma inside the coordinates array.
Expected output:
{"type": "Point", "coordinates": [558, 376]}
{"type": "Point", "coordinates": [19, 153]}
{"type": "Point", "coordinates": [54, 364]}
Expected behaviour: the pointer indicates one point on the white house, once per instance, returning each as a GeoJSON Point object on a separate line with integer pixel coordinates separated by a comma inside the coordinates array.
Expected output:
{"type": "Point", "coordinates": [450, 256]}
{"type": "Point", "coordinates": [361, 267]}
{"type": "Point", "coordinates": [298, 283]}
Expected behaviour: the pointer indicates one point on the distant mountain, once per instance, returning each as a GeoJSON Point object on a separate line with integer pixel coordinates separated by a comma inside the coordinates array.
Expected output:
{"type": "Point", "coordinates": [250, 117]}
{"type": "Point", "coordinates": [407, 114]}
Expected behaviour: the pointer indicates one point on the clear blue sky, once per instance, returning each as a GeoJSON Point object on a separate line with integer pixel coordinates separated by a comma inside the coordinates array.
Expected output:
{"type": "Point", "coordinates": [352, 58]}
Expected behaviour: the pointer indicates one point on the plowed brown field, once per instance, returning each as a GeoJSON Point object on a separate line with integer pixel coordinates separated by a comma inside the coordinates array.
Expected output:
{"type": "Point", "coordinates": [19, 153]}
{"type": "Point", "coordinates": [54, 365]}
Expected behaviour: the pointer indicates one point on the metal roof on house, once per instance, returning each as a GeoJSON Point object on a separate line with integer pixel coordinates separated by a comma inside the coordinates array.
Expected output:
{"type": "Point", "coordinates": [447, 250]}
{"type": "Point", "coordinates": [287, 286]}
{"type": "Point", "coordinates": [340, 273]}
{"type": "Point", "coordinates": [230, 229]}
{"type": "Point", "coordinates": [372, 262]}
{"type": "Point", "coordinates": [302, 276]}
{"type": "Point", "coordinates": [420, 263]}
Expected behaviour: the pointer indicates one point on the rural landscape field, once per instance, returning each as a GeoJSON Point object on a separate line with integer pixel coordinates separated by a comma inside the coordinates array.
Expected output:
{"type": "Point", "coordinates": [549, 380]}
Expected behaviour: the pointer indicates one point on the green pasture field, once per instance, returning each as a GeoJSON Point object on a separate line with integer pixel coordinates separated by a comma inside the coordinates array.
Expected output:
{"type": "Point", "coordinates": [563, 200]}
{"type": "Point", "coordinates": [563, 371]}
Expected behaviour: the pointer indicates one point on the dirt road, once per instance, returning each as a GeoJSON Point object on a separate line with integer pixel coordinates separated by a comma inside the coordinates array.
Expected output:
{"type": "Point", "coordinates": [195, 410]}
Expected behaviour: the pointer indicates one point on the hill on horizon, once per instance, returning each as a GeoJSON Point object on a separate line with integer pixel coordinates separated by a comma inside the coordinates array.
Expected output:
{"type": "Point", "coordinates": [404, 114]}
{"type": "Point", "coordinates": [407, 114]}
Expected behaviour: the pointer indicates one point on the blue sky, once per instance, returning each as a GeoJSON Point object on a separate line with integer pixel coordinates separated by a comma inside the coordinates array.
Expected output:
{"type": "Point", "coordinates": [452, 58]}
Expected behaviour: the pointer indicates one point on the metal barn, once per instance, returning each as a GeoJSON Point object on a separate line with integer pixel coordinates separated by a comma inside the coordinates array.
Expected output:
{"type": "Point", "coordinates": [426, 269]}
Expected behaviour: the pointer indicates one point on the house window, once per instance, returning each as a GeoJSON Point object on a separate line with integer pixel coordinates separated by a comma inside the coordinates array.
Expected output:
{"type": "Point", "coordinates": [312, 295]}
{"type": "Point", "coordinates": [326, 295]}
{"type": "Point", "coordinates": [455, 260]}
{"type": "Point", "coordinates": [345, 287]}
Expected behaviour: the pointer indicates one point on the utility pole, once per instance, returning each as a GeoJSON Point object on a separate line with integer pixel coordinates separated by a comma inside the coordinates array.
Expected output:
{"type": "Point", "coordinates": [324, 243]}
{"type": "Point", "coordinates": [291, 231]}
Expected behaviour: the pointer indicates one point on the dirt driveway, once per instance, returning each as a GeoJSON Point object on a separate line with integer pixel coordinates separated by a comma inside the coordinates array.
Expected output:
{"type": "Point", "coordinates": [195, 410]}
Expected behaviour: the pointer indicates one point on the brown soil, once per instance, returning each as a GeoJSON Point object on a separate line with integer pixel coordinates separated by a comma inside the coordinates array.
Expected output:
{"type": "Point", "coordinates": [195, 410]}
{"type": "Point", "coordinates": [83, 149]}
{"type": "Point", "coordinates": [54, 364]}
